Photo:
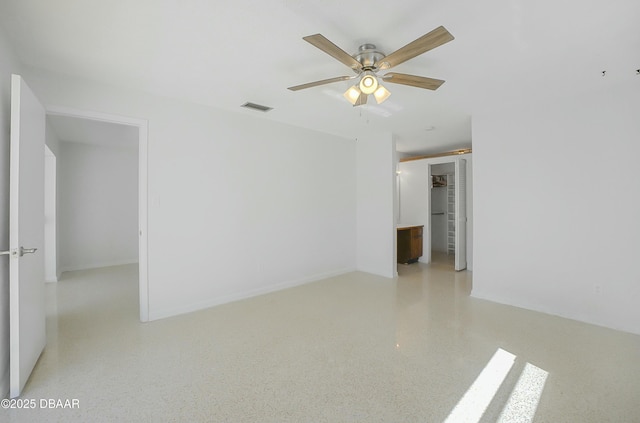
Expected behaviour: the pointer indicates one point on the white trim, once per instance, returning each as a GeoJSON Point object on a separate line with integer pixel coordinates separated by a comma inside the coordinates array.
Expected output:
{"type": "Point", "coordinates": [143, 142]}
{"type": "Point", "coordinates": [161, 314]}
{"type": "Point", "coordinates": [50, 222]}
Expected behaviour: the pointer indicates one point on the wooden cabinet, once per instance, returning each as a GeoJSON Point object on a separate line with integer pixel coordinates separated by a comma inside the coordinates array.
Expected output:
{"type": "Point", "coordinates": [409, 244]}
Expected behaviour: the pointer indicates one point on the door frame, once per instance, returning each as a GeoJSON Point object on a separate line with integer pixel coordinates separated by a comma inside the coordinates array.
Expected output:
{"type": "Point", "coordinates": [143, 141]}
{"type": "Point", "coordinates": [426, 242]}
{"type": "Point", "coordinates": [50, 212]}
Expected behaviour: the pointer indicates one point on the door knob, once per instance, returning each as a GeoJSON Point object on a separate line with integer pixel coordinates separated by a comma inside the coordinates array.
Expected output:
{"type": "Point", "coordinates": [24, 251]}
{"type": "Point", "coordinates": [18, 252]}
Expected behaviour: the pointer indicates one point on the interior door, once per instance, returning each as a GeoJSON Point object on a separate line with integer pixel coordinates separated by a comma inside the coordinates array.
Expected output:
{"type": "Point", "coordinates": [461, 214]}
{"type": "Point", "coordinates": [26, 234]}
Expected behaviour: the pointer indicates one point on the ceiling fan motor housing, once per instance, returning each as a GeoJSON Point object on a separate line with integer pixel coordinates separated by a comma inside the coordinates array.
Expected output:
{"type": "Point", "coordinates": [368, 56]}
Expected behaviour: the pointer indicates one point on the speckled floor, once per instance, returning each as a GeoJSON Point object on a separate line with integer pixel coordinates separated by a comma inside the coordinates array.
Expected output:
{"type": "Point", "coordinates": [354, 348]}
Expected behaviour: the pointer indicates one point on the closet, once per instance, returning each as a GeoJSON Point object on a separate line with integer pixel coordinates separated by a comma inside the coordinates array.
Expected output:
{"type": "Point", "coordinates": [443, 212]}
{"type": "Point", "coordinates": [451, 214]}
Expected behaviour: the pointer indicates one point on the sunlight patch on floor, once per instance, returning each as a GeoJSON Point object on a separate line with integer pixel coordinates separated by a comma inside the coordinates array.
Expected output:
{"type": "Point", "coordinates": [475, 401]}
{"type": "Point", "coordinates": [523, 402]}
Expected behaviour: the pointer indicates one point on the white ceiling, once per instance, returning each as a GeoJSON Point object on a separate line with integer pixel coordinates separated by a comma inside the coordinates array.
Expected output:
{"type": "Point", "coordinates": [224, 53]}
{"type": "Point", "coordinates": [86, 131]}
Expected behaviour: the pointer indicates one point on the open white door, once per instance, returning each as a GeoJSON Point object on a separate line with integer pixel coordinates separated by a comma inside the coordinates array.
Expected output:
{"type": "Point", "coordinates": [26, 234]}
{"type": "Point", "coordinates": [461, 214]}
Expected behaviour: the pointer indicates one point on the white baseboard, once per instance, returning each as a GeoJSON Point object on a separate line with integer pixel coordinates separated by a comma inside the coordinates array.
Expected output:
{"type": "Point", "coordinates": [52, 278]}
{"type": "Point", "coordinates": [97, 265]}
{"type": "Point", "coordinates": [161, 314]}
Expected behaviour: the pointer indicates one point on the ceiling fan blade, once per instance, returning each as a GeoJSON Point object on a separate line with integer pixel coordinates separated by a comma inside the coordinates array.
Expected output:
{"type": "Point", "coordinates": [333, 50]}
{"type": "Point", "coordinates": [413, 80]}
{"type": "Point", "coordinates": [323, 82]}
{"type": "Point", "coordinates": [427, 42]}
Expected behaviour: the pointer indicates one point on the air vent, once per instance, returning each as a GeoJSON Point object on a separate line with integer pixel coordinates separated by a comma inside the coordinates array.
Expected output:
{"type": "Point", "coordinates": [258, 107]}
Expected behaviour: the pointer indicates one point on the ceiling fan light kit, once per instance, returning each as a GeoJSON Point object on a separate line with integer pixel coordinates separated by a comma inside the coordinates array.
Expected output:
{"type": "Point", "coordinates": [381, 94]}
{"type": "Point", "coordinates": [352, 94]}
{"type": "Point", "coordinates": [368, 83]}
{"type": "Point", "coordinates": [368, 61]}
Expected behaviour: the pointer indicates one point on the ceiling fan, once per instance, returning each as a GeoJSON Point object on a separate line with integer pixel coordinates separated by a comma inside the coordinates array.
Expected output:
{"type": "Point", "coordinates": [367, 62]}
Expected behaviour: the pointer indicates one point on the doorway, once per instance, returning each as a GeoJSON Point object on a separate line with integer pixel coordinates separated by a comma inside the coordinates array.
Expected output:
{"type": "Point", "coordinates": [442, 213]}
{"type": "Point", "coordinates": [139, 127]}
{"type": "Point", "coordinates": [447, 210]}
{"type": "Point", "coordinates": [414, 183]}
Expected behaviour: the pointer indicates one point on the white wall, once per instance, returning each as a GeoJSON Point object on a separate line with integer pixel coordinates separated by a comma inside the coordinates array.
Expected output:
{"type": "Point", "coordinates": [51, 139]}
{"type": "Point", "coordinates": [443, 168]}
{"type": "Point", "coordinates": [238, 205]}
{"type": "Point", "coordinates": [376, 176]}
{"type": "Point", "coordinates": [50, 216]}
{"type": "Point", "coordinates": [8, 65]}
{"type": "Point", "coordinates": [98, 210]}
{"type": "Point", "coordinates": [552, 231]}
{"type": "Point", "coordinates": [414, 191]}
